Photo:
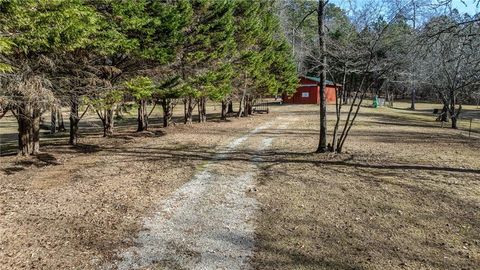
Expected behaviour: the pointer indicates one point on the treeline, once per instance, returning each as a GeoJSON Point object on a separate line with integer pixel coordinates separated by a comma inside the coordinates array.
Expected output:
{"type": "Point", "coordinates": [103, 53]}
{"type": "Point", "coordinates": [385, 48]}
{"type": "Point", "coordinates": [391, 48]}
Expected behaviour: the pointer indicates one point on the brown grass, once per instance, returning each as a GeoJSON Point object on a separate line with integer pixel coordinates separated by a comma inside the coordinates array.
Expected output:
{"type": "Point", "coordinates": [74, 208]}
{"type": "Point", "coordinates": [406, 195]}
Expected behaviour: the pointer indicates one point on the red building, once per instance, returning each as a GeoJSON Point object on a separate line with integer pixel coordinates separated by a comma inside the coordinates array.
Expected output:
{"type": "Point", "coordinates": [308, 92]}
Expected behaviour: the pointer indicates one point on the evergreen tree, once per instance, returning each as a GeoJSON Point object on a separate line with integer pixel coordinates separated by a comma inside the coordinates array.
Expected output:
{"type": "Point", "coordinates": [134, 39]}
{"type": "Point", "coordinates": [248, 57]}
{"type": "Point", "coordinates": [141, 89]}
{"type": "Point", "coordinates": [205, 49]}
{"type": "Point", "coordinates": [264, 57]}
{"type": "Point", "coordinates": [166, 93]}
{"type": "Point", "coordinates": [44, 30]}
{"type": "Point", "coordinates": [104, 104]}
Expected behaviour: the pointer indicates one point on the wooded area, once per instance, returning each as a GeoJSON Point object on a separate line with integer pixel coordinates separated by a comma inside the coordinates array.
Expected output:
{"type": "Point", "coordinates": [239, 134]}
{"type": "Point", "coordinates": [100, 55]}
{"type": "Point", "coordinates": [103, 55]}
{"type": "Point", "coordinates": [421, 49]}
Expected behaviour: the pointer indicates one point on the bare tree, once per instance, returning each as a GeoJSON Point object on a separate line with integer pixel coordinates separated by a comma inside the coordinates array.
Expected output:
{"type": "Point", "coordinates": [322, 144]}
{"type": "Point", "coordinates": [451, 63]}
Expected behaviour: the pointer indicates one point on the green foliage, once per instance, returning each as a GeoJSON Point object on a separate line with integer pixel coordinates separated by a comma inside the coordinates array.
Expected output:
{"type": "Point", "coordinates": [168, 88]}
{"type": "Point", "coordinates": [284, 69]}
{"type": "Point", "coordinates": [144, 29]}
{"type": "Point", "coordinates": [264, 60]}
{"type": "Point", "coordinates": [4, 68]}
{"type": "Point", "coordinates": [216, 84]}
{"type": "Point", "coordinates": [106, 100]}
{"type": "Point", "coordinates": [210, 35]}
{"type": "Point", "coordinates": [5, 48]}
{"type": "Point", "coordinates": [207, 47]}
{"type": "Point", "coordinates": [340, 28]}
{"type": "Point", "coordinates": [46, 26]}
{"type": "Point", "coordinates": [140, 88]}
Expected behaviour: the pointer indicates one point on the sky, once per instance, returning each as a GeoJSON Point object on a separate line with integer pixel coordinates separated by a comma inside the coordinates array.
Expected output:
{"type": "Point", "coordinates": [465, 6]}
{"type": "Point", "coordinates": [470, 7]}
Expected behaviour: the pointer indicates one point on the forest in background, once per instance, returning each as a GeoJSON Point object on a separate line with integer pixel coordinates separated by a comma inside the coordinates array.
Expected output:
{"type": "Point", "coordinates": [102, 55]}
{"type": "Point", "coordinates": [107, 55]}
{"type": "Point", "coordinates": [424, 50]}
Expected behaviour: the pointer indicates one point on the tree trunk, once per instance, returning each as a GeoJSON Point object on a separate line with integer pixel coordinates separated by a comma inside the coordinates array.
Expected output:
{"type": "Point", "coordinates": [241, 108]}
{"type": "Point", "coordinates": [453, 113]}
{"type": "Point", "coordinates": [322, 144]}
{"type": "Point", "coordinates": [28, 120]}
{"type": "Point", "coordinates": [167, 111]}
{"type": "Point", "coordinates": [202, 111]}
{"type": "Point", "coordinates": [414, 93]}
{"type": "Point", "coordinates": [245, 106]}
{"type": "Point", "coordinates": [249, 105]}
{"type": "Point", "coordinates": [340, 92]}
{"type": "Point", "coordinates": [223, 116]}
{"type": "Point", "coordinates": [24, 127]}
{"type": "Point", "coordinates": [454, 122]}
{"type": "Point", "coordinates": [188, 109]}
{"type": "Point", "coordinates": [142, 117]}
{"type": "Point", "coordinates": [230, 107]}
{"type": "Point", "coordinates": [61, 123]}
{"type": "Point", "coordinates": [53, 121]}
{"type": "Point", "coordinates": [74, 119]}
{"type": "Point", "coordinates": [35, 129]}
{"type": "Point", "coordinates": [444, 116]}
{"type": "Point", "coordinates": [108, 123]}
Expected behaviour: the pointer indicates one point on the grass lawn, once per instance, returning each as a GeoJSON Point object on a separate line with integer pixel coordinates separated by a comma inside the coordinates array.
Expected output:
{"type": "Point", "coordinates": [405, 195]}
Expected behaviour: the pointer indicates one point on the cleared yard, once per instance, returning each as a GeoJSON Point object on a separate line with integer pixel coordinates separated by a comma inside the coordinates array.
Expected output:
{"type": "Point", "coordinates": [405, 194]}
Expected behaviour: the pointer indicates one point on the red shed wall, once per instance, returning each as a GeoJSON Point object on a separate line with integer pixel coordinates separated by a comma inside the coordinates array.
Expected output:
{"type": "Point", "coordinates": [304, 95]}
{"type": "Point", "coordinates": [310, 87]}
{"type": "Point", "coordinates": [330, 94]}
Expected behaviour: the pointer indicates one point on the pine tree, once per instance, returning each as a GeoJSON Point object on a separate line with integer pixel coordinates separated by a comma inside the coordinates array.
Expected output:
{"type": "Point", "coordinates": [247, 58]}
{"type": "Point", "coordinates": [36, 44]}
{"type": "Point", "coordinates": [134, 38]}
{"type": "Point", "coordinates": [141, 89]}
{"type": "Point", "coordinates": [166, 92]}
{"type": "Point", "coordinates": [283, 69]}
{"type": "Point", "coordinates": [264, 57]}
{"type": "Point", "coordinates": [204, 64]}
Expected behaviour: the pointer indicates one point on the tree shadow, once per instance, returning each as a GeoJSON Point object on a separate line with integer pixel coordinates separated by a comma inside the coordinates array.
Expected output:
{"type": "Point", "coordinates": [38, 161]}
{"type": "Point", "coordinates": [381, 234]}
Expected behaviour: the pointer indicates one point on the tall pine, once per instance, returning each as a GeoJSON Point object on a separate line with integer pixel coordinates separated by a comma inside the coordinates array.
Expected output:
{"type": "Point", "coordinates": [204, 63]}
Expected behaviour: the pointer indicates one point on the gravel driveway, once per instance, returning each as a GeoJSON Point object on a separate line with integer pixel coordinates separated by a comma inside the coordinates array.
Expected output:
{"type": "Point", "coordinates": [208, 222]}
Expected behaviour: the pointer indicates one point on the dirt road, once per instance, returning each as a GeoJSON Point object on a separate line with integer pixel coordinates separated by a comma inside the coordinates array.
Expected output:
{"type": "Point", "coordinates": [208, 223]}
